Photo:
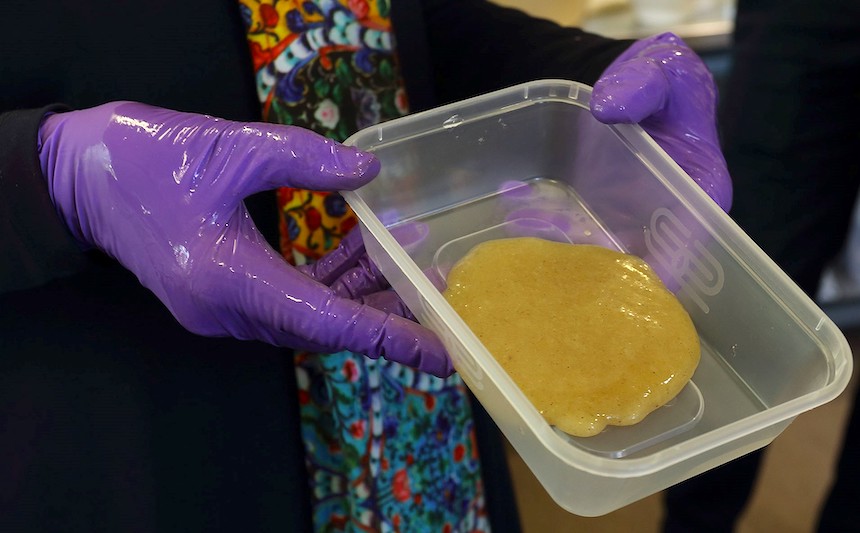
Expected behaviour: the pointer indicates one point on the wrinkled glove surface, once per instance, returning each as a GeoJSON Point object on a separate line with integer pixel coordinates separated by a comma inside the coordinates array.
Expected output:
{"type": "Point", "coordinates": [162, 192]}
{"type": "Point", "coordinates": [663, 85]}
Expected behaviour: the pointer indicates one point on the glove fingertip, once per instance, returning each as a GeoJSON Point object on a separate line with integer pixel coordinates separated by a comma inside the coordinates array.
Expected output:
{"type": "Point", "coordinates": [438, 365]}
{"type": "Point", "coordinates": [411, 344]}
{"type": "Point", "coordinates": [631, 92]}
{"type": "Point", "coordinates": [355, 167]}
{"type": "Point", "coordinates": [435, 360]}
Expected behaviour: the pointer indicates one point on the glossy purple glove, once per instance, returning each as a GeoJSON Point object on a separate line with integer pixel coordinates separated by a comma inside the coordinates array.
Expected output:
{"type": "Point", "coordinates": [660, 83]}
{"type": "Point", "coordinates": [162, 192]}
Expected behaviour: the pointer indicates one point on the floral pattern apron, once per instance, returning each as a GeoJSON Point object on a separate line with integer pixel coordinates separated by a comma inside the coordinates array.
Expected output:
{"type": "Point", "coordinates": [387, 448]}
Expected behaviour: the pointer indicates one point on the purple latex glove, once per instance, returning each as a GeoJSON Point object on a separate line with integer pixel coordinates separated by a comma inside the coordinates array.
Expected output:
{"type": "Point", "coordinates": [162, 192]}
{"type": "Point", "coordinates": [660, 83]}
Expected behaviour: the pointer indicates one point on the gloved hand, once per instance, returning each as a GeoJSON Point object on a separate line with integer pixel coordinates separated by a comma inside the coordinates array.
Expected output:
{"type": "Point", "coordinates": [162, 192]}
{"type": "Point", "coordinates": [660, 83]}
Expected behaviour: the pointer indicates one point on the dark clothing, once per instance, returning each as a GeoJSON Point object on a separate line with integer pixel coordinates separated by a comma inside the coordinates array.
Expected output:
{"type": "Point", "coordinates": [113, 417]}
{"type": "Point", "coordinates": [789, 126]}
{"type": "Point", "coordinates": [40, 245]}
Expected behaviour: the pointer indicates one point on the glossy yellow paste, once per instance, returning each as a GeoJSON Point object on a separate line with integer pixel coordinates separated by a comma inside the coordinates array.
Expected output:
{"type": "Point", "coordinates": [591, 335]}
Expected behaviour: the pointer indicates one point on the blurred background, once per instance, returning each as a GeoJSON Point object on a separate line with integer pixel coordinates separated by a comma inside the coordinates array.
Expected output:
{"type": "Point", "coordinates": [798, 467]}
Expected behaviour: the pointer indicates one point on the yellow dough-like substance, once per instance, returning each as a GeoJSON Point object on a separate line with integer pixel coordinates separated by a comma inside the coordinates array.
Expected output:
{"type": "Point", "coordinates": [591, 335]}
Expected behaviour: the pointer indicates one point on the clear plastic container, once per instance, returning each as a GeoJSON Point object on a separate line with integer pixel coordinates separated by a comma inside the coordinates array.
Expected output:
{"type": "Point", "coordinates": [531, 160]}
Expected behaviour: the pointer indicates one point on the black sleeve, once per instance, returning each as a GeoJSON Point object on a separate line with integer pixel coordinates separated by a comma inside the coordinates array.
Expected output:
{"type": "Point", "coordinates": [476, 47]}
{"type": "Point", "coordinates": [37, 247]}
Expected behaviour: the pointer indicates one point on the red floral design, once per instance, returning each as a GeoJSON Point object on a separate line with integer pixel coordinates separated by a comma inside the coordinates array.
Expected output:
{"type": "Point", "coordinates": [401, 101]}
{"type": "Point", "coordinates": [285, 194]}
{"type": "Point", "coordinates": [459, 452]}
{"type": "Point", "coordinates": [356, 429]}
{"type": "Point", "coordinates": [269, 15]}
{"type": "Point", "coordinates": [347, 225]}
{"type": "Point", "coordinates": [350, 370]}
{"type": "Point", "coordinates": [360, 8]}
{"type": "Point", "coordinates": [313, 218]}
{"type": "Point", "coordinates": [400, 487]}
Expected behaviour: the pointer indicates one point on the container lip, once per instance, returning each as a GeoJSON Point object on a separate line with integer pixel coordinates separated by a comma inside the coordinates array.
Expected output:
{"type": "Point", "coordinates": [840, 361]}
{"type": "Point", "coordinates": [477, 107]}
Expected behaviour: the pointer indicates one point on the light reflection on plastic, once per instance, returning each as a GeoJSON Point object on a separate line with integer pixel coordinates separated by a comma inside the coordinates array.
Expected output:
{"type": "Point", "coordinates": [695, 269]}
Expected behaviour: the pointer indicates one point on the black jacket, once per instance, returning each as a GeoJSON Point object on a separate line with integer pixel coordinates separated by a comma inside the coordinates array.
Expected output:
{"type": "Point", "coordinates": [113, 417]}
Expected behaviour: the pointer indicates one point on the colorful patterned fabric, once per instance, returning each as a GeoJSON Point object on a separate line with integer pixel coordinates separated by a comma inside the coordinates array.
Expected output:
{"type": "Point", "coordinates": [388, 448]}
